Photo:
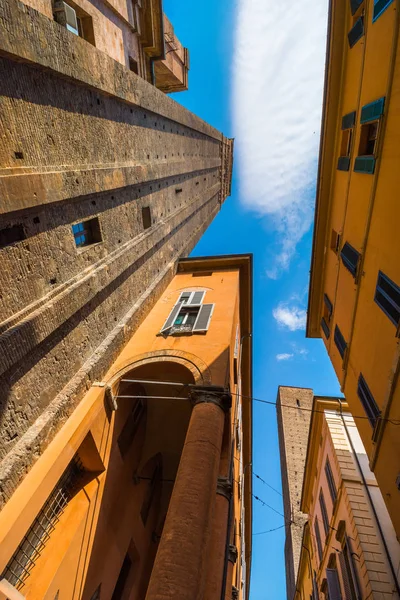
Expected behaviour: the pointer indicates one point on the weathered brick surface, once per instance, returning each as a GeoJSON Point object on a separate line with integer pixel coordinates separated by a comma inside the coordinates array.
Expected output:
{"type": "Point", "coordinates": [293, 429]}
{"type": "Point", "coordinates": [96, 141]}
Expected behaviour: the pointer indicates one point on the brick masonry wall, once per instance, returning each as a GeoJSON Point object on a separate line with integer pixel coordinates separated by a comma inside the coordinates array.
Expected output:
{"type": "Point", "coordinates": [96, 141]}
{"type": "Point", "coordinates": [293, 429]}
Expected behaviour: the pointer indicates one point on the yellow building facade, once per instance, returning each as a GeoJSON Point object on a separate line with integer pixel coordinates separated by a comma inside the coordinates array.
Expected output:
{"type": "Point", "coordinates": [354, 299]}
{"type": "Point", "coordinates": [145, 491]}
{"type": "Point", "coordinates": [349, 549]}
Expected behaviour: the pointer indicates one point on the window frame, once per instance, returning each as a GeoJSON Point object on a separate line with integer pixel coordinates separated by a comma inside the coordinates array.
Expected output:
{"type": "Point", "coordinates": [368, 401]}
{"type": "Point", "coordinates": [380, 290]}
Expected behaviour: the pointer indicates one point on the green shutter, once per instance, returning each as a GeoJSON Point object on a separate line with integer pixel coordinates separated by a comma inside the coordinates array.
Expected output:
{"type": "Point", "coordinates": [372, 111]}
{"type": "Point", "coordinates": [349, 120]}
{"type": "Point", "coordinates": [356, 32]}
{"type": "Point", "coordinates": [364, 164]}
{"type": "Point", "coordinates": [343, 163]}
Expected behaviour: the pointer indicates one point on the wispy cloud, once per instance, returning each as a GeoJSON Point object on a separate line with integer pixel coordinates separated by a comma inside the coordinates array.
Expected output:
{"type": "Point", "coordinates": [284, 356]}
{"type": "Point", "coordinates": [290, 317]}
{"type": "Point", "coordinates": [277, 96]}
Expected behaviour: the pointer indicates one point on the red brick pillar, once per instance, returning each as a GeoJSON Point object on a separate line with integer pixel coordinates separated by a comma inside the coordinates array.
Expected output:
{"type": "Point", "coordinates": [215, 572]}
{"type": "Point", "coordinates": [181, 561]}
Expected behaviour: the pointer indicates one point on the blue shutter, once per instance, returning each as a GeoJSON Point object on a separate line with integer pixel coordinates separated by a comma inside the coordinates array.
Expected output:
{"type": "Point", "coordinates": [364, 164]}
{"type": "Point", "coordinates": [343, 163]}
{"type": "Point", "coordinates": [372, 111]}
{"type": "Point", "coordinates": [379, 7]}
{"type": "Point", "coordinates": [387, 297]}
{"type": "Point", "coordinates": [350, 258]}
{"type": "Point", "coordinates": [349, 120]}
{"type": "Point", "coordinates": [354, 5]}
{"type": "Point", "coordinates": [356, 32]}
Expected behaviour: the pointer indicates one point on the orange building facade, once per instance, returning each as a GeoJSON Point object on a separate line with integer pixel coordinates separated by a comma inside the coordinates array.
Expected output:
{"type": "Point", "coordinates": [349, 548]}
{"type": "Point", "coordinates": [145, 491]}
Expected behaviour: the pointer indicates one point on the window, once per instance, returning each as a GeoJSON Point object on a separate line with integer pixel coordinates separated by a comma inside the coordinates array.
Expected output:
{"type": "Point", "coordinates": [73, 18]}
{"type": "Point", "coordinates": [340, 341]}
{"type": "Point", "coordinates": [333, 585]}
{"type": "Point", "coordinates": [348, 122]}
{"type": "Point", "coordinates": [348, 570]}
{"type": "Point", "coordinates": [325, 328]}
{"type": "Point", "coordinates": [11, 235]}
{"type": "Point", "coordinates": [356, 32]}
{"type": "Point", "coordinates": [387, 297]}
{"type": "Point", "coordinates": [122, 578]}
{"type": "Point", "coordinates": [324, 512]}
{"type": "Point", "coordinates": [368, 401]}
{"type": "Point", "coordinates": [23, 559]}
{"type": "Point", "coordinates": [350, 258]}
{"type": "Point", "coordinates": [87, 233]}
{"type": "Point", "coordinates": [355, 5]}
{"type": "Point", "coordinates": [189, 315]}
{"type": "Point", "coordinates": [335, 241]}
{"type": "Point", "coordinates": [331, 481]}
{"type": "Point", "coordinates": [133, 65]}
{"type": "Point", "coordinates": [379, 7]}
{"type": "Point", "coordinates": [370, 115]}
{"type": "Point", "coordinates": [130, 427]}
{"type": "Point", "coordinates": [146, 217]}
{"type": "Point", "coordinates": [326, 317]}
{"type": "Point", "coordinates": [318, 539]}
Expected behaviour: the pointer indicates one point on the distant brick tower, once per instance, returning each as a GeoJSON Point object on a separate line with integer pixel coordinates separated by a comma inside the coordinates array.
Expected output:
{"type": "Point", "coordinates": [293, 428]}
{"type": "Point", "coordinates": [105, 183]}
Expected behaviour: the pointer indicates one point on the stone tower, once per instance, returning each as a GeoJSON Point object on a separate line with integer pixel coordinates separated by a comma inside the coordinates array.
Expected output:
{"type": "Point", "coordinates": [293, 428]}
{"type": "Point", "coordinates": [105, 183]}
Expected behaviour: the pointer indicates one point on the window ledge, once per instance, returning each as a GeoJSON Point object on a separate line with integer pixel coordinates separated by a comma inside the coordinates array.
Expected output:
{"type": "Point", "coordinates": [83, 249]}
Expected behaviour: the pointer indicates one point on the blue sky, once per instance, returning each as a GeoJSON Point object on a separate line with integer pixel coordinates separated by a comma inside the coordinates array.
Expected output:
{"type": "Point", "coordinates": [252, 80]}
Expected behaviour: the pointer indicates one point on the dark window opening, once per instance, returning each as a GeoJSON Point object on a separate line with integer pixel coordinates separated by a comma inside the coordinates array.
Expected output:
{"type": "Point", "coordinates": [318, 539]}
{"type": "Point", "coordinates": [387, 297]}
{"type": "Point", "coordinates": [368, 401]}
{"type": "Point", "coordinates": [350, 258]}
{"type": "Point", "coordinates": [131, 426]}
{"type": "Point", "coordinates": [325, 328]}
{"type": "Point", "coordinates": [340, 342]}
{"type": "Point", "coordinates": [133, 65]}
{"type": "Point", "coordinates": [202, 274]}
{"type": "Point", "coordinates": [87, 232]}
{"type": "Point", "coordinates": [356, 32]}
{"type": "Point", "coordinates": [331, 481]}
{"type": "Point", "coordinates": [150, 493]}
{"type": "Point", "coordinates": [146, 217]}
{"type": "Point", "coordinates": [335, 241]}
{"type": "Point", "coordinates": [368, 138]}
{"type": "Point", "coordinates": [355, 5]}
{"type": "Point", "coordinates": [178, 190]}
{"type": "Point", "coordinates": [324, 513]}
{"type": "Point", "coordinates": [122, 579]}
{"type": "Point", "coordinates": [379, 7]}
{"type": "Point", "coordinates": [11, 235]}
{"type": "Point", "coordinates": [19, 155]}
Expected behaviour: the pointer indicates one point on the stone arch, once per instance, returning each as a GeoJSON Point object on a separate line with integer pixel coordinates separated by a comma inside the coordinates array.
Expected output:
{"type": "Point", "coordinates": [199, 369]}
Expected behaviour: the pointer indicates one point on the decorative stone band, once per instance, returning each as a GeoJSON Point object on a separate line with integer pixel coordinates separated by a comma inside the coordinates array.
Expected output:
{"type": "Point", "coordinates": [235, 593]}
{"type": "Point", "coordinates": [213, 394]}
{"type": "Point", "coordinates": [232, 553]}
{"type": "Point", "coordinates": [224, 487]}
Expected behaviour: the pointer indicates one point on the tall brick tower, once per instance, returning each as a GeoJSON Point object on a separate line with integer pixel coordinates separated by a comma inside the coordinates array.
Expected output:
{"type": "Point", "coordinates": [293, 428]}
{"type": "Point", "coordinates": [105, 182]}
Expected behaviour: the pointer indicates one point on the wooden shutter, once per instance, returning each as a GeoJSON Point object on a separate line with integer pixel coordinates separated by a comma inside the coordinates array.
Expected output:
{"type": "Point", "coordinates": [348, 121]}
{"type": "Point", "coordinates": [354, 5]}
{"type": "Point", "coordinates": [368, 401]}
{"type": "Point", "coordinates": [387, 297]}
{"type": "Point", "coordinates": [356, 32]}
{"type": "Point", "coordinates": [350, 258]}
{"type": "Point", "coordinates": [197, 298]}
{"type": "Point", "coordinates": [364, 164]}
{"type": "Point", "coordinates": [203, 319]}
{"type": "Point", "coordinates": [343, 163]}
{"type": "Point", "coordinates": [347, 583]}
{"type": "Point", "coordinates": [333, 584]}
{"type": "Point", "coordinates": [372, 111]}
{"type": "Point", "coordinates": [172, 316]}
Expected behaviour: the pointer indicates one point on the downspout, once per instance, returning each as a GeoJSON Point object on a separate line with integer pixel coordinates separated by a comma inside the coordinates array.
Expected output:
{"type": "Point", "coordinates": [389, 558]}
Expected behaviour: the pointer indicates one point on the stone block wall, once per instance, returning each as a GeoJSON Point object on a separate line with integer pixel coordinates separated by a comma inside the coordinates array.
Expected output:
{"type": "Point", "coordinates": [84, 138]}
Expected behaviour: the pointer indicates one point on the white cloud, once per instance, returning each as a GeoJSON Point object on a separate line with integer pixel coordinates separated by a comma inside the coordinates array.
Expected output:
{"type": "Point", "coordinates": [291, 317]}
{"type": "Point", "coordinates": [284, 356]}
{"type": "Point", "coordinates": [277, 96]}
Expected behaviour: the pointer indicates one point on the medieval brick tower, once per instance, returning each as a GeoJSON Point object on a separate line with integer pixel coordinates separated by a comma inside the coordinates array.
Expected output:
{"type": "Point", "coordinates": [105, 183]}
{"type": "Point", "coordinates": [293, 428]}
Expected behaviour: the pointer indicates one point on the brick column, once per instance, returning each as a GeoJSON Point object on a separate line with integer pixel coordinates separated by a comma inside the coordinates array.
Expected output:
{"type": "Point", "coordinates": [179, 568]}
{"type": "Point", "coordinates": [216, 565]}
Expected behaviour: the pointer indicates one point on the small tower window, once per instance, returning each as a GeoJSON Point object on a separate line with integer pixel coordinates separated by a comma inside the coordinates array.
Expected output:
{"type": "Point", "coordinates": [146, 217]}
{"type": "Point", "coordinates": [87, 232]}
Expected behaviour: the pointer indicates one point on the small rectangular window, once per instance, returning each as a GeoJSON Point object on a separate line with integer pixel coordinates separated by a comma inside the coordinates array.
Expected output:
{"type": "Point", "coordinates": [133, 65]}
{"type": "Point", "coordinates": [340, 342]}
{"type": "Point", "coordinates": [335, 241]}
{"type": "Point", "coordinates": [325, 328]}
{"type": "Point", "coordinates": [379, 7]}
{"type": "Point", "coordinates": [356, 32]}
{"type": "Point", "coordinates": [328, 306]}
{"type": "Point", "coordinates": [87, 232]}
{"type": "Point", "coordinates": [333, 585]}
{"type": "Point", "coordinates": [324, 513]}
{"type": "Point", "coordinates": [368, 401]}
{"type": "Point", "coordinates": [345, 149]}
{"type": "Point", "coordinates": [387, 297]}
{"type": "Point", "coordinates": [330, 480]}
{"type": "Point", "coordinates": [11, 235]}
{"type": "Point", "coordinates": [368, 138]}
{"type": "Point", "coordinates": [350, 258]}
{"type": "Point", "coordinates": [318, 539]}
{"type": "Point", "coordinates": [146, 217]}
{"type": "Point", "coordinates": [355, 5]}
{"type": "Point", "coordinates": [122, 578]}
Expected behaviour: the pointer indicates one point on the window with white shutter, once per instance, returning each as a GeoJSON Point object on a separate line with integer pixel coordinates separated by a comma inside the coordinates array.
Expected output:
{"type": "Point", "coordinates": [189, 315]}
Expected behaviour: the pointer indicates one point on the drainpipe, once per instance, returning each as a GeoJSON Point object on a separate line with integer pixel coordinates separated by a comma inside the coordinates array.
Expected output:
{"type": "Point", "coordinates": [389, 558]}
